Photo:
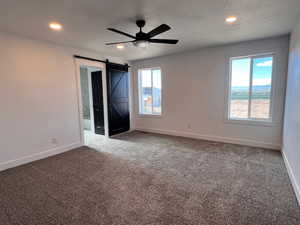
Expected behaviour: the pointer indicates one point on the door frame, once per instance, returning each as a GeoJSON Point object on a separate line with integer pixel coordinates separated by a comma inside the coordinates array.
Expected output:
{"type": "Point", "coordinates": [102, 67]}
{"type": "Point", "coordinates": [91, 100]}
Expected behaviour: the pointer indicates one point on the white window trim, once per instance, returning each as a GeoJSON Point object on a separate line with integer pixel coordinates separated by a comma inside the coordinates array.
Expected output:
{"type": "Point", "coordinates": [139, 91]}
{"type": "Point", "coordinates": [250, 121]}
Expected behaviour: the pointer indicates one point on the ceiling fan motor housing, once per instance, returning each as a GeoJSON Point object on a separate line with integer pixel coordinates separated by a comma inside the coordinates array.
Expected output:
{"type": "Point", "coordinates": [141, 36]}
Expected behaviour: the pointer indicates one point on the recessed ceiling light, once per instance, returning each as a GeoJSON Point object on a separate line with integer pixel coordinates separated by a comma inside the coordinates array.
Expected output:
{"type": "Point", "coordinates": [120, 47]}
{"type": "Point", "coordinates": [231, 19]}
{"type": "Point", "coordinates": [141, 44]}
{"type": "Point", "coordinates": [55, 26]}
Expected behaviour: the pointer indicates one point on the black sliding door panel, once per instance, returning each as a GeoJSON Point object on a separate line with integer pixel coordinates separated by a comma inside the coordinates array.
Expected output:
{"type": "Point", "coordinates": [98, 102]}
{"type": "Point", "coordinates": [118, 98]}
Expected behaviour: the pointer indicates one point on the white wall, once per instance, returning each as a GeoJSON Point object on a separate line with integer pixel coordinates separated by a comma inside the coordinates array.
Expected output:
{"type": "Point", "coordinates": [38, 96]}
{"type": "Point", "coordinates": [291, 134]}
{"type": "Point", "coordinates": [194, 89]}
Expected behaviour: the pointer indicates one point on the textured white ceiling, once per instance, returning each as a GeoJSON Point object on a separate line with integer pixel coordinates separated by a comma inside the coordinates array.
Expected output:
{"type": "Point", "coordinates": [196, 23]}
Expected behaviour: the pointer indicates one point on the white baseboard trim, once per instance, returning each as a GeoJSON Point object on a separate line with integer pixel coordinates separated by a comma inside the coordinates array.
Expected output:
{"type": "Point", "coordinates": [213, 138]}
{"type": "Point", "coordinates": [37, 156]}
{"type": "Point", "coordinates": [294, 182]}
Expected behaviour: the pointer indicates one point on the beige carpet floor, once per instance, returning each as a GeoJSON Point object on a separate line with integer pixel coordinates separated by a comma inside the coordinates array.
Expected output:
{"type": "Point", "coordinates": [149, 179]}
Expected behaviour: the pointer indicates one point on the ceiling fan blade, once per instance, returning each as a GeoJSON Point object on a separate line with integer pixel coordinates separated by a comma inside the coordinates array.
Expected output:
{"type": "Point", "coordinates": [121, 42]}
{"type": "Point", "coordinates": [163, 41]}
{"type": "Point", "coordinates": [121, 32]}
{"type": "Point", "coordinates": [158, 30]}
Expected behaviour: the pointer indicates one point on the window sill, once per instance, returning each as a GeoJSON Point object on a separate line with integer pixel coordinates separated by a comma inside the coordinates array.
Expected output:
{"type": "Point", "coordinates": [249, 122]}
{"type": "Point", "coordinates": [149, 116]}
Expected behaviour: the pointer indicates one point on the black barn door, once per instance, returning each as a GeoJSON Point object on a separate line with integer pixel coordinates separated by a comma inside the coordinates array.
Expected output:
{"type": "Point", "coordinates": [118, 98]}
{"type": "Point", "coordinates": [98, 102]}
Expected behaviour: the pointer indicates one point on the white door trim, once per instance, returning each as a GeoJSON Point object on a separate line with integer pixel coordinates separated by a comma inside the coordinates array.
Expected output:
{"type": "Point", "coordinates": [91, 100]}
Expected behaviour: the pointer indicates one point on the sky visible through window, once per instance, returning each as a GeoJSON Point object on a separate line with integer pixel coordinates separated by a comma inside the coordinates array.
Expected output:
{"type": "Point", "coordinates": [262, 72]}
{"type": "Point", "coordinates": [146, 78]}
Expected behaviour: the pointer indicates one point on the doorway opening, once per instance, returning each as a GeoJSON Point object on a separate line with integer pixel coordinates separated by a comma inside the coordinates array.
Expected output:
{"type": "Point", "coordinates": [103, 100]}
{"type": "Point", "coordinates": [92, 100]}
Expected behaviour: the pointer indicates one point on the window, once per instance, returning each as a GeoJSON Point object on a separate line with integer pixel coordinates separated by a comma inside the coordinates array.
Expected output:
{"type": "Point", "coordinates": [150, 91]}
{"type": "Point", "coordinates": [251, 88]}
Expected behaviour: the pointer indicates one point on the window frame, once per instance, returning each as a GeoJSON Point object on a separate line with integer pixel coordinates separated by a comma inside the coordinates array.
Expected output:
{"type": "Point", "coordinates": [140, 96]}
{"type": "Point", "coordinates": [249, 120]}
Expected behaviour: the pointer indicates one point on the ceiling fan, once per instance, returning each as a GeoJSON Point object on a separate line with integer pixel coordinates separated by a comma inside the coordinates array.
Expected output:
{"type": "Point", "coordinates": [142, 39]}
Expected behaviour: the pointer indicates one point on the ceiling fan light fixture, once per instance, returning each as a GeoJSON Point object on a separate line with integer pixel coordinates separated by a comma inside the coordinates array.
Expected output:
{"type": "Point", "coordinates": [141, 43]}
